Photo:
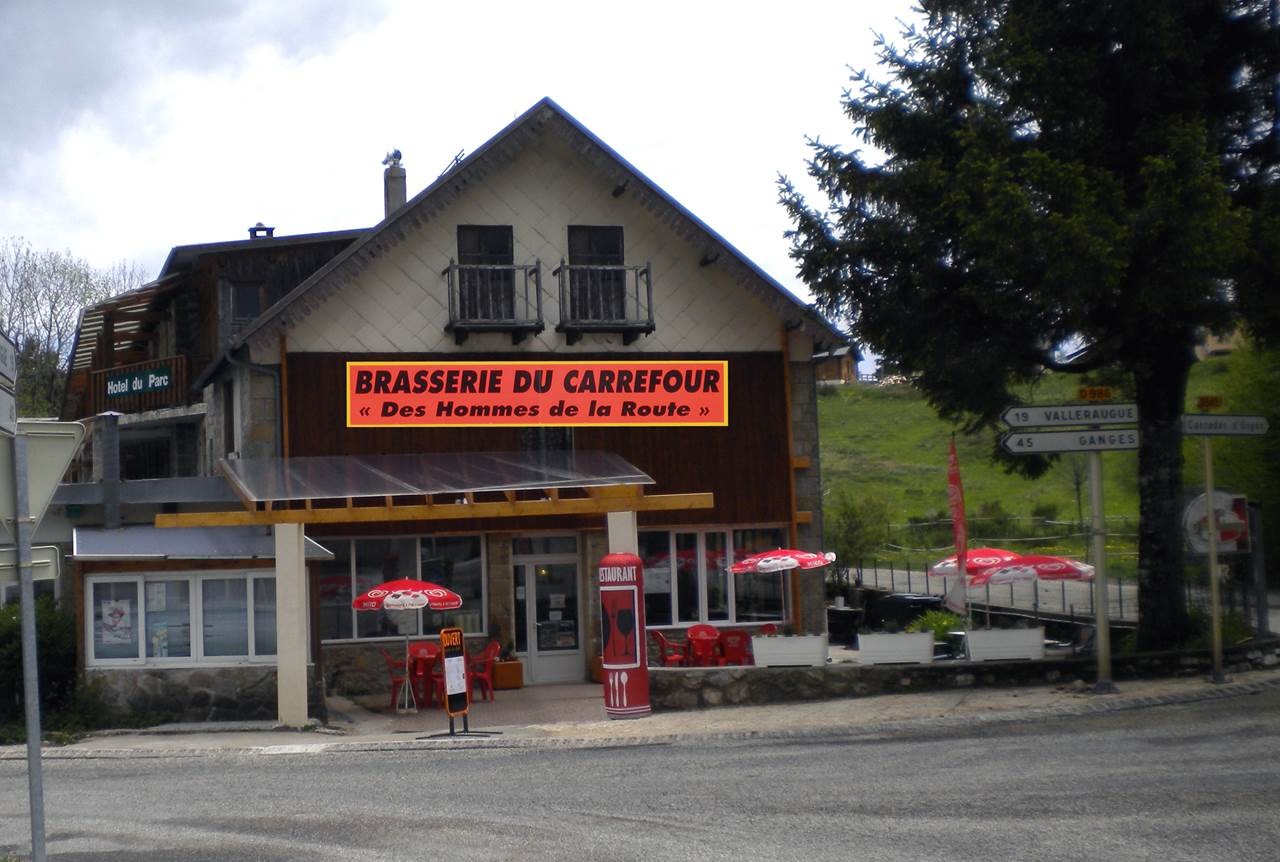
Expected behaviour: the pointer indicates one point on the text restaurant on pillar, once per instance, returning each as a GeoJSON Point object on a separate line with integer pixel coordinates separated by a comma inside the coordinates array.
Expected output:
{"type": "Point", "coordinates": [539, 359]}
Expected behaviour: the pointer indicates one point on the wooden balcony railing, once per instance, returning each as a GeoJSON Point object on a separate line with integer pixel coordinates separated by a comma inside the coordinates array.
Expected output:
{"type": "Point", "coordinates": [605, 299]}
{"type": "Point", "coordinates": [494, 298]}
{"type": "Point", "coordinates": [141, 386]}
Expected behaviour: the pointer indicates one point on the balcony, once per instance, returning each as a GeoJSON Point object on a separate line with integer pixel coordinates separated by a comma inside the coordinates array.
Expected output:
{"type": "Point", "coordinates": [149, 385]}
{"type": "Point", "coordinates": [494, 298]}
{"type": "Point", "coordinates": [605, 299]}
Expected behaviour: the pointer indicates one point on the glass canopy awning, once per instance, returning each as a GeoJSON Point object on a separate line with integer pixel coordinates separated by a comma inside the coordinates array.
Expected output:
{"type": "Point", "coordinates": [434, 486]}
{"type": "Point", "coordinates": [261, 480]}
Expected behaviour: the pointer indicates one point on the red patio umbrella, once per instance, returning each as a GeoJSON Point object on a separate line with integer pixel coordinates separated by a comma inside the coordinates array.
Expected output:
{"type": "Point", "coordinates": [976, 559]}
{"type": "Point", "coordinates": [407, 594]}
{"type": "Point", "coordinates": [997, 566]}
{"type": "Point", "coordinates": [781, 560]}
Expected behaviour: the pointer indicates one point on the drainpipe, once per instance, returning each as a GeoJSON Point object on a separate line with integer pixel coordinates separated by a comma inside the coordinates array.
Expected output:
{"type": "Point", "coordinates": [274, 374]}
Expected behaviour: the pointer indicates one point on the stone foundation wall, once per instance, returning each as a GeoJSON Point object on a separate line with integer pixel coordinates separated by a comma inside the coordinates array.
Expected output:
{"type": "Point", "coordinates": [196, 694]}
{"type": "Point", "coordinates": [695, 688]}
{"type": "Point", "coordinates": [351, 669]}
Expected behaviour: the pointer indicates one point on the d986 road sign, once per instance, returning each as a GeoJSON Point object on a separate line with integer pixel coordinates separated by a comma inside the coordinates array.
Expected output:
{"type": "Point", "coordinates": [1046, 442]}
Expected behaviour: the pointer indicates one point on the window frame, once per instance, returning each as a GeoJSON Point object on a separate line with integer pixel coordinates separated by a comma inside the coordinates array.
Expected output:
{"type": "Point", "coordinates": [418, 538]}
{"type": "Point", "coordinates": [704, 574]}
{"type": "Point", "coordinates": [195, 619]}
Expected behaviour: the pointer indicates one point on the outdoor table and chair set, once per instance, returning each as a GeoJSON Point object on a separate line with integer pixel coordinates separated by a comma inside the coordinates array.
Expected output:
{"type": "Point", "coordinates": [419, 677]}
{"type": "Point", "coordinates": [706, 646]}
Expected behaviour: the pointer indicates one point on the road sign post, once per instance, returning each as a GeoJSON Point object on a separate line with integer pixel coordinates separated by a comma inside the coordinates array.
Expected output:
{"type": "Point", "coordinates": [1207, 426]}
{"type": "Point", "coordinates": [33, 458]}
{"type": "Point", "coordinates": [1094, 428]}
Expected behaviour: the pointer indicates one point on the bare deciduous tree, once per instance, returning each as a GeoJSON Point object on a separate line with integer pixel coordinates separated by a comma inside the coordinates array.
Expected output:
{"type": "Point", "coordinates": [41, 295]}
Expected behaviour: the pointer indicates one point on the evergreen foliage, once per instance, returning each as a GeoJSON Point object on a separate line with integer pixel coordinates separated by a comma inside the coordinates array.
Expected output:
{"type": "Point", "coordinates": [1090, 172]}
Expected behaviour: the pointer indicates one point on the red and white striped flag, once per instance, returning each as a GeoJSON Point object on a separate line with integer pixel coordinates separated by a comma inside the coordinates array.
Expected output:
{"type": "Point", "coordinates": [957, 596]}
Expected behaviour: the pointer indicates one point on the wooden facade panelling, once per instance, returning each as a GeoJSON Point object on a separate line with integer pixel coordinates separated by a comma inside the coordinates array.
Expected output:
{"type": "Point", "coordinates": [745, 465]}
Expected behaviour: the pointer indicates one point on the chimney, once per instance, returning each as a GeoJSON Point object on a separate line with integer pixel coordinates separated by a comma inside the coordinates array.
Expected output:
{"type": "Point", "coordinates": [259, 231]}
{"type": "Point", "coordinates": [393, 183]}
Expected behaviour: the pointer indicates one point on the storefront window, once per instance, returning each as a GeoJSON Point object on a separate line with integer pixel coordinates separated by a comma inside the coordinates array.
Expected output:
{"type": "Point", "coordinates": [264, 616]}
{"type": "Point", "coordinates": [717, 576]}
{"type": "Point", "coordinates": [359, 565]}
{"type": "Point", "coordinates": [454, 562]}
{"type": "Point", "coordinates": [336, 615]}
{"type": "Point", "coordinates": [168, 606]}
{"type": "Point", "coordinates": [225, 616]}
{"type": "Point", "coordinates": [379, 561]}
{"type": "Point", "coordinates": [699, 571]}
{"type": "Point", "coordinates": [655, 551]}
{"type": "Point", "coordinates": [525, 546]}
{"type": "Point", "coordinates": [115, 619]}
{"type": "Point", "coordinates": [150, 618]}
{"type": "Point", "coordinates": [687, 577]}
{"type": "Point", "coordinates": [757, 597]}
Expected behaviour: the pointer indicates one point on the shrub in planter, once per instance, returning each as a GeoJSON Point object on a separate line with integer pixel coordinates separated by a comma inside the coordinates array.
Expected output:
{"type": "Point", "coordinates": [941, 623]}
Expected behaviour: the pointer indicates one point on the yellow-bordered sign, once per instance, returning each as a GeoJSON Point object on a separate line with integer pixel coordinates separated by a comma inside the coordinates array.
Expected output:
{"type": "Point", "coordinates": [474, 394]}
{"type": "Point", "coordinates": [453, 653]}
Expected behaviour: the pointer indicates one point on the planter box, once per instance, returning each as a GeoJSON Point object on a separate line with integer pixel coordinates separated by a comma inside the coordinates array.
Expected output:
{"type": "Point", "coordinates": [789, 650]}
{"type": "Point", "coordinates": [508, 674]}
{"type": "Point", "coordinates": [1003, 644]}
{"type": "Point", "coordinates": [897, 648]}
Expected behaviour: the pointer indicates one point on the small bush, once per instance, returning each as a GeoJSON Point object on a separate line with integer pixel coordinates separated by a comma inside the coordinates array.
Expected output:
{"type": "Point", "coordinates": [938, 622]}
{"type": "Point", "coordinates": [1234, 629]}
{"type": "Point", "coordinates": [55, 659]}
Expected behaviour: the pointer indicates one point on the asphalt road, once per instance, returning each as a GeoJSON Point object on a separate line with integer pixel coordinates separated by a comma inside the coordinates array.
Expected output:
{"type": "Point", "coordinates": [1196, 781]}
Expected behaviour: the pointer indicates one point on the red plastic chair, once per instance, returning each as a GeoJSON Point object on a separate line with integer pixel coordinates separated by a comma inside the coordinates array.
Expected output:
{"type": "Point", "coordinates": [480, 669]}
{"type": "Point", "coordinates": [670, 653]}
{"type": "Point", "coordinates": [701, 645]}
{"type": "Point", "coordinates": [396, 670]}
{"type": "Point", "coordinates": [768, 629]}
{"type": "Point", "coordinates": [428, 678]}
{"type": "Point", "coordinates": [735, 647]}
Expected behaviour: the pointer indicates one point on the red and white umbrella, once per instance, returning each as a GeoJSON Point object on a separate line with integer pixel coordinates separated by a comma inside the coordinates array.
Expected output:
{"type": "Point", "coordinates": [976, 560]}
{"type": "Point", "coordinates": [781, 560]}
{"type": "Point", "coordinates": [997, 566]}
{"type": "Point", "coordinates": [407, 594]}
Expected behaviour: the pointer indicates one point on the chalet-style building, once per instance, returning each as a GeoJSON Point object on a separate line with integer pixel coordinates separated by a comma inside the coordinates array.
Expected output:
{"type": "Point", "coordinates": [539, 359]}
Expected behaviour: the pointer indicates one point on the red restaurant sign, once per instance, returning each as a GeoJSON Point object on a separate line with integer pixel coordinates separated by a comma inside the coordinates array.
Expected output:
{"type": "Point", "coordinates": [480, 394]}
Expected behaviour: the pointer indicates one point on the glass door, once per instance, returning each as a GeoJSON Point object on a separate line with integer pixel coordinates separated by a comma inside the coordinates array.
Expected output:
{"type": "Point", "coordinates": [550, 639]}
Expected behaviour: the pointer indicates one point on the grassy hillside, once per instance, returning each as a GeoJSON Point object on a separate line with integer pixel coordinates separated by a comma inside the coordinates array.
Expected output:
{"type": "Point", "coordinates": [887, 442]}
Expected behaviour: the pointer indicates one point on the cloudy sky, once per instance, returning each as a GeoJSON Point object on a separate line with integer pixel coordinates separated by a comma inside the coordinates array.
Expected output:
{"type": "Point", "coordinates": [131, 127]}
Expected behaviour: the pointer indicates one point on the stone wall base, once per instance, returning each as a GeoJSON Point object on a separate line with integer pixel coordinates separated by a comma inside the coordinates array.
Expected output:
{"type": "Point", "coordinates": [696, 688]}
{"type": "Point", "coordinates": [197, 694]}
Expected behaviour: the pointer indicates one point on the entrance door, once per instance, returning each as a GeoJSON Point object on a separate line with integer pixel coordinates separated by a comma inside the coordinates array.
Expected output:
{"type": "Point", "coordinates": [551, 638]}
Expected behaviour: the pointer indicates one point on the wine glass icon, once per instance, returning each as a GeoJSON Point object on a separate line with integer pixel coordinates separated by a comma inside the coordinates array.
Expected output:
{"type": "Point", "coordinates": [626, 622]}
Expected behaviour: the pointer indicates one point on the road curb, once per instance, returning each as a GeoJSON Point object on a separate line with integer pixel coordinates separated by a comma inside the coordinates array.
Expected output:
{"type": "Point", "coordinates": [1103, 704]}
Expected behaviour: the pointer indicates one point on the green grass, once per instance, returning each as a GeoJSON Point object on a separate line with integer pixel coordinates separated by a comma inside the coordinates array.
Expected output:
{"type": "Point", "coordinates": [886, 443]}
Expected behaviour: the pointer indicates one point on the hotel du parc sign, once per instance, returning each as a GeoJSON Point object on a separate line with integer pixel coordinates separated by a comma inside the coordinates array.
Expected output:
{"type": "Point", "coordinates": [571, 393]}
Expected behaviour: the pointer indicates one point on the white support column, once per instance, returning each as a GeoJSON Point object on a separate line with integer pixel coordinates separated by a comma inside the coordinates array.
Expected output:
{"type": "Point", "coordinates": [623, 537]}
{"type": "Point", "coordinates": [291, 625]}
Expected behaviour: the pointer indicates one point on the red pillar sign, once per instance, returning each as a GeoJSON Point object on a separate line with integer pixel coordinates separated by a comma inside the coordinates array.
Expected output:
{"type": "Point", "coordinates": [623, 656]}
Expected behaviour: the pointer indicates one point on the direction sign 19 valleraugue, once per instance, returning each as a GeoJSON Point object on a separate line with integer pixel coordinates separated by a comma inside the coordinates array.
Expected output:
{"type": "Point", "coordinates": [1059, 415]}
{"type": "Point", "coordinates": [1034, 442]}
{"type": "Point", "coordinates": [1223, 425]}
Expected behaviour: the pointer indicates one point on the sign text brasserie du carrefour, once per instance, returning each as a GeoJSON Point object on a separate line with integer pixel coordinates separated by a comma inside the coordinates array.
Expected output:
{"type": "Point", "coordinates": [588, 392]}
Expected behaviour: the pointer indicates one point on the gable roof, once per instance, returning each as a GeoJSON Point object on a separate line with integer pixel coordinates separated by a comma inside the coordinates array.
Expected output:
{"type": "Point", "coordinates": [499, 150]}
